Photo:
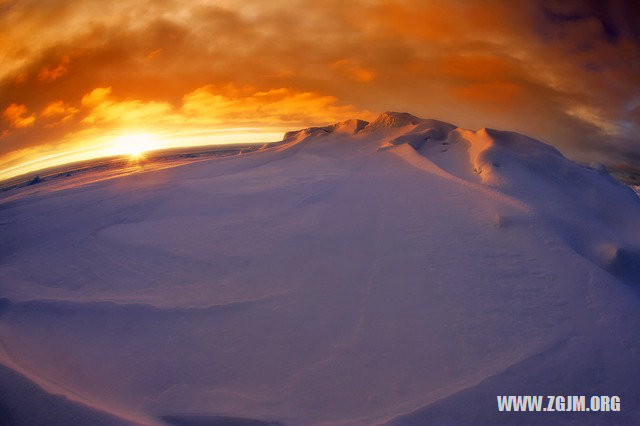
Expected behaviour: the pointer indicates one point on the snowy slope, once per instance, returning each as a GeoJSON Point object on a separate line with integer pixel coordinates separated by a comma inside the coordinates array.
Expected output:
{"type": "Point", "coordinates": [403, 271]}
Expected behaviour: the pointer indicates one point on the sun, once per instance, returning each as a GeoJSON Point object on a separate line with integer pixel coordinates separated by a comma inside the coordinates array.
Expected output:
{"type": "Point", "coordinates": [134, 144]}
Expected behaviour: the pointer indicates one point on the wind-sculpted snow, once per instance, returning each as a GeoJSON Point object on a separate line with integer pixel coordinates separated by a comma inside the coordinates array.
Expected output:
{"type": "Point", "coordinates": [403, 271]}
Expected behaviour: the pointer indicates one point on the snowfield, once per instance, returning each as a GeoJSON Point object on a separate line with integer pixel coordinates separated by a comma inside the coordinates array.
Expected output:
{"type": "Point", "coordinates": [403, 272]}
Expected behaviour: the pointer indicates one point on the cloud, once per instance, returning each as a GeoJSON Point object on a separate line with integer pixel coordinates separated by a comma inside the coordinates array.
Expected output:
{"type": "Point", "coordinates": [105, 109]}
{"type": "Point", "coordinates": [564, 72]}
{"type": "Point", "coordinates": [49, 74]}
{"type": "Point", "coordinates": [280, 106]}
{"type": "Point", "coordinates": [18, 116]}
{"type": "Point", "coordinates": [491, 93]}
{"type": "Point", "coordinates": [354, 71]}
{"type": "Point", "coordinates": [59, 112]}
{"type": "Point", "coordinates": [209, 106]}
{"type": "Point", "coordinates": [595, 117]}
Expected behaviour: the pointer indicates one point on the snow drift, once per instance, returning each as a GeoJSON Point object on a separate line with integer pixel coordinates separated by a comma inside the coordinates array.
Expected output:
{"type": "Point", "coordinates": [403, 271]}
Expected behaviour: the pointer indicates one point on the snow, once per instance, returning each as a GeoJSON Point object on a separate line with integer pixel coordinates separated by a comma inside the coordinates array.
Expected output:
{"type": "Point", "coordinates": [393, 119]}
{"type": "Point", "coordinates": [404, 271]}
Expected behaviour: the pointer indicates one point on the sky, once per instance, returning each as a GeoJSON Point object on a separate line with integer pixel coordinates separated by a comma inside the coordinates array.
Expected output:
{"type": "Point", "coordinates": [87, 78]}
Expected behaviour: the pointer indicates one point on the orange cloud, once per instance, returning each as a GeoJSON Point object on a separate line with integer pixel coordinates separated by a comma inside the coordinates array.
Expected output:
{"type": "Point", "coordinates": [18, 116]}
{"type": "Point", "coordinates": [479, 67]}
{"type": "Point", "coordinates": [154, 53]}
{"type": "Point", "coordinates": [209, 106]}
{"type": "Point", "coordinates": [431, 21]}
{"type": "Point", "coordinates": [495, 92]}
{"type": "Point", "coordinates": [354, 71]}
{"type": "Point", "coordinates": [274, 106]}
{"type": "Point", "coordinates": [60, 111]}
{"type": "Point", "coordinates": [105, 109]}
{"type": "Point", "coordinates": [96, 96]}
{"type": "Point", "coordinates": [48, 74]}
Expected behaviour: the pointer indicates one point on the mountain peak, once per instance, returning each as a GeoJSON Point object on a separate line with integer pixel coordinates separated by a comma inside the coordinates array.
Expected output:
{"type": "Point", "coordinates": [391, 119]}
{"type": "Point", "coordinates": [386, 120]}
{"type": "Point", "coordinates": [350, 126]}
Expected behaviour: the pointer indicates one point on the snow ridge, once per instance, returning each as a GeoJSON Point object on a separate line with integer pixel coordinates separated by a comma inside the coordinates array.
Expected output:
{"type": "Point", "coordinates": [404, 271]}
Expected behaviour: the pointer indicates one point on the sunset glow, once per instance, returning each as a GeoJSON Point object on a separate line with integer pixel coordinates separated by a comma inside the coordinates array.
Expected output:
{"type": "Point", "coordinates": [76, 76]}
{"type": "Point", "coordinates": [135, 144]}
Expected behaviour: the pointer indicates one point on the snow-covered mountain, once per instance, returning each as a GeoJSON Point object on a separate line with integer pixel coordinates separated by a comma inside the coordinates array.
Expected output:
{"type": "Point", "coordinates": [402, 271]}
